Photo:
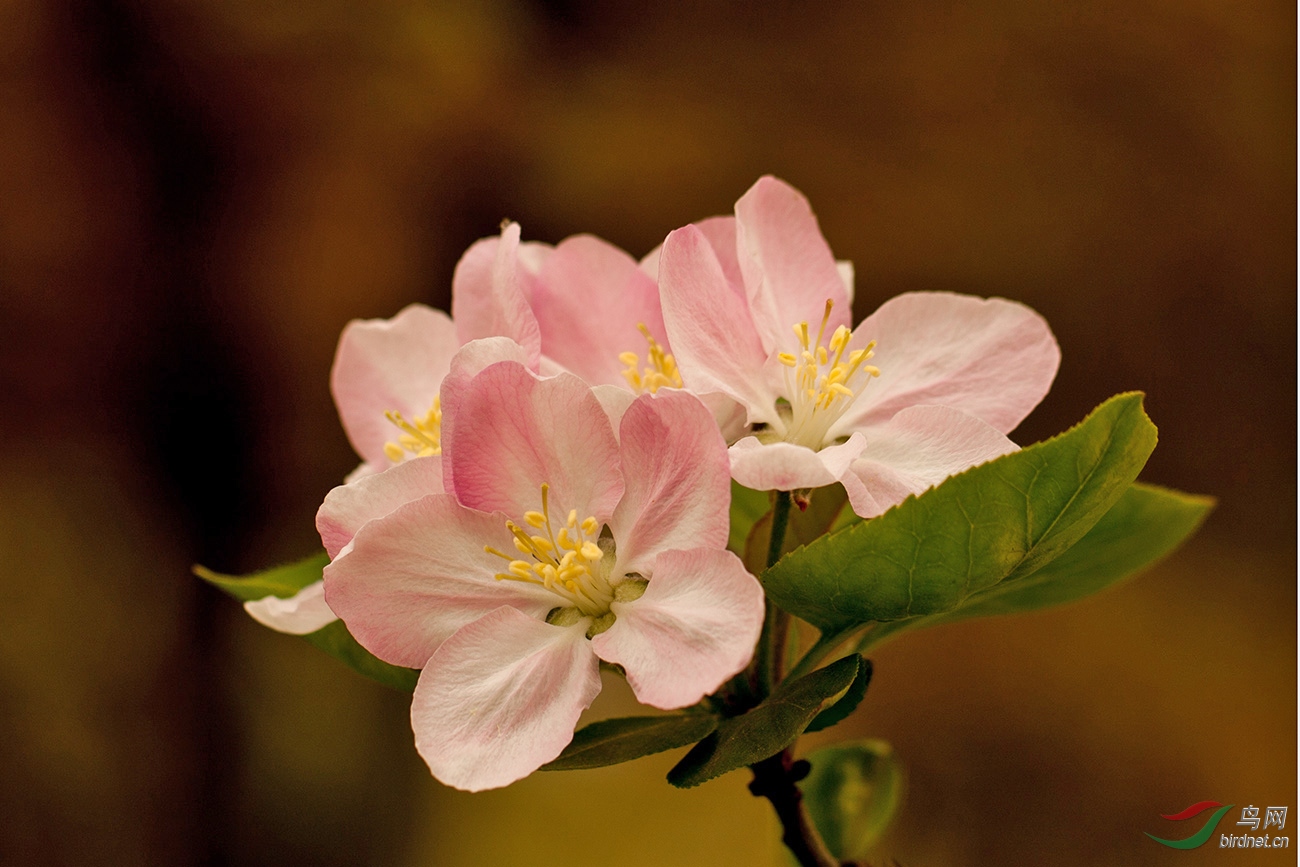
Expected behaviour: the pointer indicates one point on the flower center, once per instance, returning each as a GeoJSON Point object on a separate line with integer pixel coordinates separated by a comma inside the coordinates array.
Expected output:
{"type": "Point", "coordinates": [821, 382]}
{"type": "Point", "coordinates": [421, 438]}
{"type": "Point", "coordinates": [660, 369]}
{"type": "Point", "coordinates": [568, 563]}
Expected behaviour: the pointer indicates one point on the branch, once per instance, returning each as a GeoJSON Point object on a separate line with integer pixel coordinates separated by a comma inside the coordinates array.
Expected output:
{"type": "Point", "coordinates": [774, 779]}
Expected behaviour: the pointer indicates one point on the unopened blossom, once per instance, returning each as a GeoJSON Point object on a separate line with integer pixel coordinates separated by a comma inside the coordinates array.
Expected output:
{"type": "Point", "coordinates": [757, 309]}
{"type": "Point", "coordinates": [559, 543]}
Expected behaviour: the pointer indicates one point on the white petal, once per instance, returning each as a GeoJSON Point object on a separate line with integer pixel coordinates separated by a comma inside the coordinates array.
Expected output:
{"type": "Point", "coordinates": [695, 626]}
{"type": "Point", "coordinates": [300, 614]}
{"type": "Point", "coordinates": [501, 697]}
{"type": "Point", "coordinates": [789, 467]}
{"type": "Point", "coordinates": [919, 448]}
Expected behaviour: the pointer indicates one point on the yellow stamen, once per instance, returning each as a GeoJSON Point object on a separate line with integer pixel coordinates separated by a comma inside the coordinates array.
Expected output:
{"type": "Point", "coordinates": [661, 369]}
{"type": "Point", "coordinates": [821, 382]}
{"type": "Point", "coordinates": [568, 563]}
{"type": "Point", "coordinates": [420, 438]}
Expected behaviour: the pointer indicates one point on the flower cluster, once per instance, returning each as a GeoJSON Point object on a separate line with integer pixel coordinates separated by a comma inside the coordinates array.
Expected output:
{"type": "Point", "coordinates": [546, 474]}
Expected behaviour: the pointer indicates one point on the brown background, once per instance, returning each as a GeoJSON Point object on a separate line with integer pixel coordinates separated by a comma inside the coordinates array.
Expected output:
{"type": "Point", "coordinates": [196, 196]}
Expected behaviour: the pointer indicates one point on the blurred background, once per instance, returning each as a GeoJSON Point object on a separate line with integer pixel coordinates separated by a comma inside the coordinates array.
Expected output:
{"type": "Point", "coordinates": [196, 196]}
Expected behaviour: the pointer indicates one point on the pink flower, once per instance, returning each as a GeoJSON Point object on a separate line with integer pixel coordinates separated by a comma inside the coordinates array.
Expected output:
{"type": "Point", "coordinates": [616, 552]}
{"type": "Point", "coordinates": [387, 373]}
{"type": "Point", "coordinates": [386, 380]}
{"type": "Point", "coordinates": [928, 385]}
{"type": "Point", "coordinates": [599, 316]}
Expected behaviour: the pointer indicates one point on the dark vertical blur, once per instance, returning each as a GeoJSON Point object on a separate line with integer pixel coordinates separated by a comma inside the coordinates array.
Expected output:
{"type": "Point", "coordinates": [196, 196]}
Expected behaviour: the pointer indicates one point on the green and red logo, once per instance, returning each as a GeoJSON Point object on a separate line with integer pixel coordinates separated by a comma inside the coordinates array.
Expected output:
{"type": "Point", "coordinates": [1201, 836]}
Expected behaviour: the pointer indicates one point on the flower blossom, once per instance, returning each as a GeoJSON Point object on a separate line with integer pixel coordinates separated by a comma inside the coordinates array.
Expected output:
{"type": "Point", "coordinates": [555, 545]}
{"type": "Point", "coordinates": [386, 380]}
{"type": "Point", "coordinates": [599, 317]}
{"type": "Point", "coordinates": [757, 309]}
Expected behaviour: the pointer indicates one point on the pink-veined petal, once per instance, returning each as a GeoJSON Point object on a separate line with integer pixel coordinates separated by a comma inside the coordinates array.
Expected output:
{"type": "Point", "coordinates": [501, 697]}
{"type": "Point", "coordinates": [512, 432]}
{"type": "Point", "coordinates": [416, 575]}
{"type": "Point", "coordinates": [678, 479]}
{"type": "Point", "coordinates": [788, 268]}
{"type": "Point", "coordinates": [721, 234]}
{"type": "Point", "coordinates": [713, 337]}
{"type": "Point", "coordinates": [615, 401]}
{"type": "Point", "coordinates": [389, 364]}
{"type": "Point", "coordinates": [989, 357]}
{"type": "Point", "coordinates": [348, 507]}
{"type": "Point", "coordinates": [466, 364]}
{"type": "Point", "coordinates": [300, 614]}
{"type": "Point", "coordinates": [590, 300]}
{"type": "Point", "coordinates": [916, 450]}
{"type": "Point", "coordinates": [487, 298]}
{"type": "Point", "coordinates": [728, 414]}
{"type": "Point", "coordinates": [532, 256]}
{"type": "Point", "coordinates": [695, 626]}
{"type": "Point", "coordinates": [788, 467]}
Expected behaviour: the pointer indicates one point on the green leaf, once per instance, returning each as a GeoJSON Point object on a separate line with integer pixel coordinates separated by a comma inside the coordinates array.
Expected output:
{"type": "Point", "coordinates": [766, 729]}
{"type": "Point", "coordinates": [282, 581]}
{"type": "Point", "coordinates": [1001, 520]}
{"type": "Point", "coordinates": [612, 741]}
{"type": "Point", "coordinates": [334, 638]}
{"type": "Point", "coordinates": [852, 794]}
{"type": "Point", "coordinates": [1145, 525]}
{"type": "Point", "coordinates": [847, 703]}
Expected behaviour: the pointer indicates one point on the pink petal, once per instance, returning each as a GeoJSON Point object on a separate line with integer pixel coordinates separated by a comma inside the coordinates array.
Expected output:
{"type": "Point", "coordinates": [532, 257]}
{"type": "Point", "coordinates": [615, 401]}
{"type": "Point", "coordinates": [788, 268]}
{"type": "Point", "coordinates": [678, 479]}
{"type": "Point", "coordinates": [348, 507]}
{"type": "Point", "coordinates": [512, 432]}
{"type": "Point", "coordinates": [721, 232]}
{"type": "Point", "coordinates": [916, 450]}
{"type": "Point", "coordinates": [712, 334]}
{"type": "Point", "coordinates": [695, 626]}
{"type": "Point", "coordinates": [721, 235]}
{"type": "Point", "coordinates": [394, 364]}
{"type": "Point", "coordinates": [487, 298]}
{"type": "Point", "coordinates": [989, 357]}
{"type": "Point", "coordinates": [788, 467]}
{"type": "Point", "coordinates": [300, 614]}
{"type": "Point", "coordinates": [590, 299]}
{"type": "Point", "coordinates": [727, 413]}
{"type": "Point", "coordinates": [466, 364]}
{"type": "Point", "coordinates": [501, 697]}
{"type": "Point", "coordinates": [416, 575]}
